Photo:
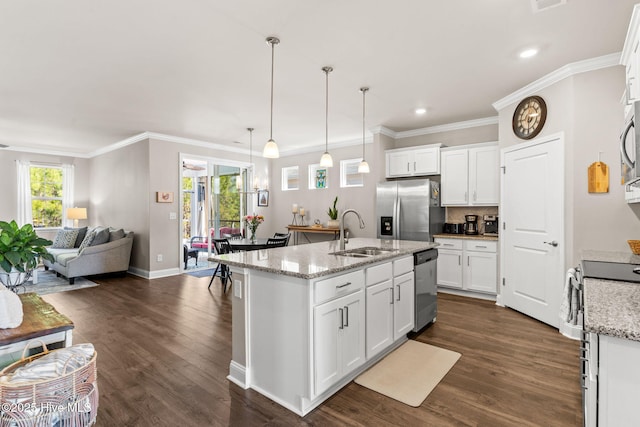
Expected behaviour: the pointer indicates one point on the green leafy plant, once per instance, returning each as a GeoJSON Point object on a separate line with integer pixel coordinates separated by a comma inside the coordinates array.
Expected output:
{"type": "Point", "coordinates": [333, 212]}
{"type": "Point", "coordinates": [21, 248]}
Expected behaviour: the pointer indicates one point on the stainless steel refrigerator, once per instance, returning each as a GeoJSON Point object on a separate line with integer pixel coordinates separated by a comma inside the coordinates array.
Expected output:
{"type": "Point", "coordinates": [409, 210]}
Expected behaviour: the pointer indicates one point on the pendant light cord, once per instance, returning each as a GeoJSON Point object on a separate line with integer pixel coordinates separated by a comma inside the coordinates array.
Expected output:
{"type": "Point", "coordinates": [326, 113]}
{"type": "Point", "coordinates": [272, 68]}
{"type": "Point", "coordinates": [364, 91]}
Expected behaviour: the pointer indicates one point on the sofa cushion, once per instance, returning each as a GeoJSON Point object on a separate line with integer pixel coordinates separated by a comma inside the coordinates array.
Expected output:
{"type": "Point", "coordinates": [116, 234]}
{"type": "Point", "coordinates": [57, 252]}
{"type": "Point", "coordinates": [65, 239]}
{"type": "Point", "coordinates": [82, 232]}
{"type": "Point", "coordinates": [63, 258]}
{"type": "Point", "coordinates": [87, 241]}
{"type": "Point", "coordinates": [102, 236]}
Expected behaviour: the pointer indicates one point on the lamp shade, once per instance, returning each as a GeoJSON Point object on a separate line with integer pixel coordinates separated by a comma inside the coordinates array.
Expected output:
{"type": "Point", "coordinates": [271, 150]}
{"type": "Point", "coordinates": [76, 213]}
{"type": "Point", "coordinates": [326, 161]}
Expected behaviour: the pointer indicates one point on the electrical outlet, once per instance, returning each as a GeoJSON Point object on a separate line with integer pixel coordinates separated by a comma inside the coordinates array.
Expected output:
{"type": "Point", "coordinates": [173, 215]}
{"type": "Point", "coordinates": [237, 289]}
{"type": "Point", "coordinates": [159, 258]}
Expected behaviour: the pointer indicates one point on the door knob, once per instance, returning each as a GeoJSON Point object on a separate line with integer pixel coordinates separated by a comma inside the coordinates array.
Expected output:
{"type": "Point", "coordinates": [552, 243]}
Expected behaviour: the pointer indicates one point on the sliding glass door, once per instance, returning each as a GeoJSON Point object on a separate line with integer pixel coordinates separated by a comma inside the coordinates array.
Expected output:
{"type": "Point", "coordinates": [213, 205]}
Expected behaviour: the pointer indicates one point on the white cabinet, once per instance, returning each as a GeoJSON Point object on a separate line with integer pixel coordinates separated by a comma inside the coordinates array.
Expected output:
{"type": "Point", "coordinates": [468, 264]}
{"type": "Point", "coordinates": [338, 339]}
{"type": "Point", "coordinates": [618, 379]}
{"type": "Point", "coordinates": [630, 58]}
{"type": "Point", "coordinates": [470, 175]}
{"type": "Point", "coordinates": [413, 161]}
{"type": "Point", "coordinates": [390, 303]}
{"type": "Point", "coordinates": [339, 334]}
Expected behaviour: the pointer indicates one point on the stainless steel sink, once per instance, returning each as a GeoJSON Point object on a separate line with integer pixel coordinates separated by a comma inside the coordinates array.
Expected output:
{"type": "Point", "coordinates": [367, 251]}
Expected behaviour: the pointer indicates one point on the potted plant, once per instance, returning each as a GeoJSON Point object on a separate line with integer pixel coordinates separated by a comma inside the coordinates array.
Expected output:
{"type": "Point", "coordinates": [20, 251]}
{"type": "Point", "coordinates": [333, 214]}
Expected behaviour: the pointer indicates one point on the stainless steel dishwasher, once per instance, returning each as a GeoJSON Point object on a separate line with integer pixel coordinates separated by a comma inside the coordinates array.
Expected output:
{"type": "Point", "coordinates": [426, 288]}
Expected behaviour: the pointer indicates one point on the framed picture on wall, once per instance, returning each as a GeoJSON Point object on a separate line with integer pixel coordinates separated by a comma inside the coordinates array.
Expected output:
{"type": "Point", "coordinates": [318, 177]}
{"type": "Point", "coordinates": [263, 197]}
{"type": "Point", "coordinates": [164, 197]}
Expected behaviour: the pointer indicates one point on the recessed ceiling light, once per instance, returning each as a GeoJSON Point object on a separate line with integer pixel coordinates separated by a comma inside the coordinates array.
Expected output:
{"type": "Point", "coordinates": [421, 110]}
{"type": "Point", "coordinates": [528, 53]}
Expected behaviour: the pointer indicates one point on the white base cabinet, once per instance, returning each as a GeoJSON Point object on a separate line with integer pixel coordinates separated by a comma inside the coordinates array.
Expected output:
{"type": "Point", "coordinates": [469, 265]}
{"type": "Point", "coordinates": [390, 304]}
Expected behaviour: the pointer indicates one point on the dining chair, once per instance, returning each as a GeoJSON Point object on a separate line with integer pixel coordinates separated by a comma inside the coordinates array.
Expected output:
{"type": "Point", "coordinates": [221, 246]}
{"type": "Point", "coordinates": [273, 242]}
{"type": "Point", "coordinates": [189, 253]}
{"type": "Point", "coordinates": [281, 235]}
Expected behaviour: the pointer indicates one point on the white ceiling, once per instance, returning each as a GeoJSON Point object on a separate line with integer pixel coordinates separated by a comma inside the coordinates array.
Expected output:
{"type": "Point", "coordinates": [78, 75]}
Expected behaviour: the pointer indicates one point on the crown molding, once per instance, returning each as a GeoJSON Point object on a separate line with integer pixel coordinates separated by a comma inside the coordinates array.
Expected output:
{"type": "Point", "coordinates": [448, 127]}
{"type": "Point", "coordinates": [554, 77]}
{"type": "Point", "coordinates": [384, 131]}
{"type": "Point", "coordinates": [47, 152]}
{"type": "Point", "coordinates": [321, 147]}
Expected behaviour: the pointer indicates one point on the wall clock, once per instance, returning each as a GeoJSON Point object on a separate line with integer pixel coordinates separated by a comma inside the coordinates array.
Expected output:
{"type": "Point", "coordinates": [529, 117]}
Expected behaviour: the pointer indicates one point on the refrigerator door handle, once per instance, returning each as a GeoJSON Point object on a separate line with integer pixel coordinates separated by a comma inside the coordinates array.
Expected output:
{"type": "Point", "coordinates": [397, 214]}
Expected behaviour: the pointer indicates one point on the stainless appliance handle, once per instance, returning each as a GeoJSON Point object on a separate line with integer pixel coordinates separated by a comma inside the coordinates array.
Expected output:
{"type": "Point", "coordinates": [623, 151]}
{"type": "Point", "coordinates": [397, 213]}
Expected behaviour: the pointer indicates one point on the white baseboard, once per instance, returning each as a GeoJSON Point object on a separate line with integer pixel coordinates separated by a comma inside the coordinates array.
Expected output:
{"type": "Point", "coordinates": [154, 274]}
{"type": "Point", "coordinates": [470, 294]}
{"type": "Point", "coordinates": [238, 374]}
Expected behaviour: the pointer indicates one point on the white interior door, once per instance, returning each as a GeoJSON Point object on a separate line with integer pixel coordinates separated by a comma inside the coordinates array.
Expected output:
{"type": "Point", "coordinates": [532, 239]}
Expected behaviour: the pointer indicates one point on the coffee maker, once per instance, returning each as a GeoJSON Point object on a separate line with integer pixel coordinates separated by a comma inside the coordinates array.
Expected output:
{"type": "Point", "coordinates": [471, 224]}
{"type": "Point", "coordinates": [490, 225]}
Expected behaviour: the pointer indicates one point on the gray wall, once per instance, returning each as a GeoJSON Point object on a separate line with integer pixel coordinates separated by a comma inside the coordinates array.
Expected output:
{"type": "Point", "coordinates": [587, 108]}
{"type": "Point", "coordinates": [474, 135]}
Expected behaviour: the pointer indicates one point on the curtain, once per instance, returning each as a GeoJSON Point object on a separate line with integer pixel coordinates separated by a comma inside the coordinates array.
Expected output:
{"type": "Point", "coordinates": [24, 193]}
{"type": "Point", "coordinates": [67, 192]}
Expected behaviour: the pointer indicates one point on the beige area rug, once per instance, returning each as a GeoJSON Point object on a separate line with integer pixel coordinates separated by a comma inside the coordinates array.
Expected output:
{"type": "Point", "coordinates": [49, 283]}
{"type": "Point", "coordinates": [410, 372]}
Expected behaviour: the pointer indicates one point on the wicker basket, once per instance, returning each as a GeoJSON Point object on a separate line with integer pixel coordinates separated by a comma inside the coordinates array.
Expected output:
{"type": "Point", "coordinates": [70, 400]}
{"type": "Point", "coordinates": [635, 246]}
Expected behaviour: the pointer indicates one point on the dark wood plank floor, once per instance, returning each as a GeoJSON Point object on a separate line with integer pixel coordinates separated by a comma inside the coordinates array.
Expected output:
{"type": "Point", "coordinates": [164, 350]}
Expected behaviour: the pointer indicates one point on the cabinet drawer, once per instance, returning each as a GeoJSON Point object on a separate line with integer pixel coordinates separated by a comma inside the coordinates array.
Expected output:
{"type": "Point", "coordinates": [450, 243]}
{"type": "Point", "coordinates": [402, 265]}
{"type": "Point", "coordinates": [378, 273]}
{"type": "Point", "coordinates": [327, 289]}
{"type": "Point", "coordinates": [481, 245]}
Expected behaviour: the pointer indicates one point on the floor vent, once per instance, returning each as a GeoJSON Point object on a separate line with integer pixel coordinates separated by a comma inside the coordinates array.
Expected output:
{"type": "Point", "coordinates": [540, 5]}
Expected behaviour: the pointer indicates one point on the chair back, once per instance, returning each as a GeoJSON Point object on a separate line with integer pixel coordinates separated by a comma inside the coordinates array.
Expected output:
{"type": "Point", "coordinates": [276, 243]}
{"type": "Point", "coordinates": [282, 235]}
{"type": "Point", "coordinates": [222, 246]}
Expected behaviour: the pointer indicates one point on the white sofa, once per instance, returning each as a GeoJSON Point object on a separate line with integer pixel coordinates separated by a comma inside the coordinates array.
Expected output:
{"type": "Point", "coordinates": [112, 256]}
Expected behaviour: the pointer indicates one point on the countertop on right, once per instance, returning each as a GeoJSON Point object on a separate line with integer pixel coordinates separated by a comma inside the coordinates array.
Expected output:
{"type": "Point", "coordinates": [464, 236]}
{"type": "Point", "coordinates": [612, 307]}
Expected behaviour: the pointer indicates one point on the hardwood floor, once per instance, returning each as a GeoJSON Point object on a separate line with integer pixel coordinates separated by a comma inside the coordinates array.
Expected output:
{"type": "Point", "coordinates": [164, 350]}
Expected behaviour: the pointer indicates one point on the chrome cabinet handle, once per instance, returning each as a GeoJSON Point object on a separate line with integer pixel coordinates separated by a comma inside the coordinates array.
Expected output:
{"type": "Point", "coordinates": [391, 289]}
{"type": "Point", "coordinates": [346, 312]}
{"type": "Point", "coordinates": [341, 318]}
{"type": "Point", "coordinates": [342, 286]}
{"type": "Point", "coordinates": [466, 195]}
{"type": "Point", "coordinates": [414, 166]}
{"type": "Point", "coordinates": [552, 243]}
{"type": "Point", "coordinates": [447, 244]}
{"type": "Point", "coordinates": [407, 166]}
{"type": "Point", "coordinates": [481, 246]}
{"type": "Point", "coordinates": [474, 195]}
{"type": "Point", "coordinates": [398, 286]}
{"type": "Point", "coordinates": [459, 260]}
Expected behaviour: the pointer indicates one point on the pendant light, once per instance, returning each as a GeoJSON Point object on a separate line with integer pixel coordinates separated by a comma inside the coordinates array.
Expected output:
{"type": "Point", "coordinates": [271, 148]}
{"type": "Point", "coordinates": [326, 160]}
{"type": "Point", "coordinates": [363, 167]}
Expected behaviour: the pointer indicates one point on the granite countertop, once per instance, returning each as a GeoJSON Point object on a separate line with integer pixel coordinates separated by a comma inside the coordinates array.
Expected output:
{"type": "Point", "coordinates": [315, 259]}
{"type": "Point", "coordinates": [612, 307]}
{"type": "Point", "coordinates": [465, 236]}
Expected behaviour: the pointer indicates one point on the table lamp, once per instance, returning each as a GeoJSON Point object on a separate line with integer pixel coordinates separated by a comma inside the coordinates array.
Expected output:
{"type": "Point", "coordinates": [75, 214]}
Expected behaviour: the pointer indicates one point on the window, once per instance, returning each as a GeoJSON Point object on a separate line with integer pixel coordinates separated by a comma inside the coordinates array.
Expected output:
{"type": "Point", "coordinates": [290, 178]}
{"type": "Point", "coordinates": [349, 176]}
{"type": "Point", "coordinates": [46, 196]}
{"type": "Point", "coordinates": [318, 177]}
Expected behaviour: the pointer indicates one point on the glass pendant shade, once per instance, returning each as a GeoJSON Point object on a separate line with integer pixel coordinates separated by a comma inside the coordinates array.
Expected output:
{"type": "Point", "coordinates": [363, 167]}
{"type": "Point", "coordinates": [326, 160]}
{"type": "Point", "coordinates": [270, 150]}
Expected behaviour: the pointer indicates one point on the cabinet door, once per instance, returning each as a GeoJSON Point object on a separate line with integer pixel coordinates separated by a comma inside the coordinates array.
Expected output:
{"type": "Point", "coordinates": [327, 321]}
{"type": "Point", "coordinates": [426, 161]}
{"type": "Point", "coordinates": [455, 177]}
{"type": "Point", "coordinates": [481, 272]}
{"type": "Point", "coordinates": [379, 317]}
{"type": "Point", "coordinates": [399, 163]}
{"type": "Point", "coordinates": [403, 305]}
{"type": "Point", "coordinates": [484, 176]}
{"type": "Point", "coordinates": [351, 342]}
{"type": "Point", "coordinates": [449, 272]}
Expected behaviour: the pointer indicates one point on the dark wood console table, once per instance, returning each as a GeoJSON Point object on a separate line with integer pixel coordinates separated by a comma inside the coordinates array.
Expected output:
{"type": "Point", "coordinates": [304, 229]}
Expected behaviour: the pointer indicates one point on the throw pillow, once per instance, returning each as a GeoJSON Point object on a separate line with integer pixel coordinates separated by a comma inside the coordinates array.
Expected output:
{"type": "Point", "coordinates": [116, 234]}
{"type": "Point", "coordinates": [87, 241]}
{"type": "Point", "coordinates": [82, 232]}
{"type": "Point", "coordinates": [102, 236]}
{"type": "Point", "coordinates": [65, 239]}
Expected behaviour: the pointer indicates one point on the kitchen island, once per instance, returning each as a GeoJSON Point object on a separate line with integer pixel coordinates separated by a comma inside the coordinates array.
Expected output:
{"type": "Point", "coordinates": [306, 321]}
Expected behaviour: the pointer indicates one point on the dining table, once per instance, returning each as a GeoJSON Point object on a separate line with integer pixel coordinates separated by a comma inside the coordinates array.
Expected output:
{"type": "Point", "coordinates": [247, 244]}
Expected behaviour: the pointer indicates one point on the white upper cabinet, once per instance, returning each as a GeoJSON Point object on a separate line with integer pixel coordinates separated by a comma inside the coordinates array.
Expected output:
{"type": "Point", "coordinates": [470, 175]}
{"type": "Point", "coordinates": [630, 57]}
{"type": "Point", "coordinates": [413, 161]}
